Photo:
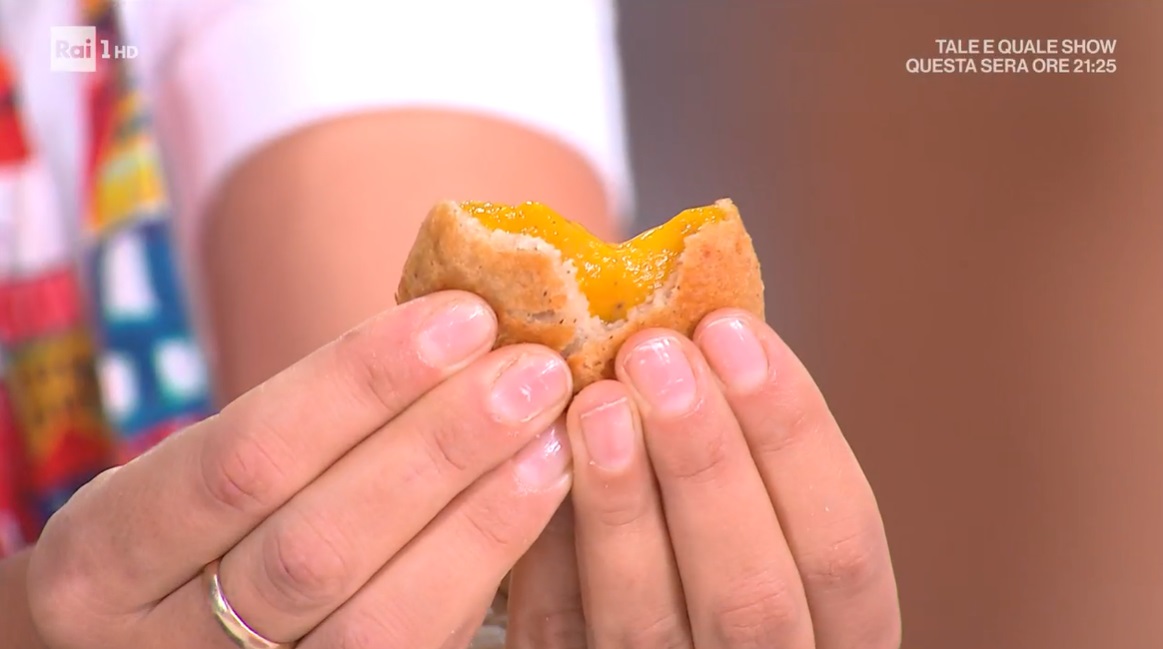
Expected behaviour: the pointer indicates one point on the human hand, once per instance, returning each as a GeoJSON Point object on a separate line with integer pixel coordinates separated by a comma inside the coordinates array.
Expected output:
{"type": "Point", "coordinates": [373, 494]}
{"type": "Point", "coordinates": [715, 505]}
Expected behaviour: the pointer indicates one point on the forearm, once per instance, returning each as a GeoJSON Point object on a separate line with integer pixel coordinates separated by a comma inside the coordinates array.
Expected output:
{"type": "Point", "coordinates": [15, 616]}
{"type": "Point", "coordinates": [307, 237]}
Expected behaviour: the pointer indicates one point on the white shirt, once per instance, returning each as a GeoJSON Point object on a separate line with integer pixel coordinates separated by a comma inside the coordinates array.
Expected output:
{"type": "Point", "coordinates": [224, 77]}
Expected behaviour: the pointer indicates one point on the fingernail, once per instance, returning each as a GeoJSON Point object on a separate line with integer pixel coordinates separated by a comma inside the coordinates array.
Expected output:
{"type": "Point", "coordinates": [529, 386]}
{"type": "Point", "coordinates": [544, 461]}
{"type": "Point", "coordinates": [454, 332]}
{"type": "Point", "coordinates": [734, 353]}
{"type": "Point", "coordinates": [608, 431]}
{"type": "Point", "coordinates": [662, 374]}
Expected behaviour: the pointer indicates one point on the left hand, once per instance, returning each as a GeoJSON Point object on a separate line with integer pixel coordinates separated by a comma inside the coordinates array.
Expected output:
{"type": "Point", "coordinates": [715, 505]}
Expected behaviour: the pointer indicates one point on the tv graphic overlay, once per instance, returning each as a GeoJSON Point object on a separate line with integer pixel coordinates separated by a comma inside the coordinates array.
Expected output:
{"type": "Point", "coordinates": [1039, 56]}
{"type": "Point", "coordinates": [73, 49]}
{"type": "Point", "coordinates": [76, 48]}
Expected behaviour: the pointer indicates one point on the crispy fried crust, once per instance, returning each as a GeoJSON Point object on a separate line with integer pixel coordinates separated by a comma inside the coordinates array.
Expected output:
{"type": "Point", "coordinates": [537, 301]}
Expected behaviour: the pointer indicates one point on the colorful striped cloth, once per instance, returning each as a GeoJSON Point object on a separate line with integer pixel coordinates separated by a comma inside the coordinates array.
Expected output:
{"type": "Point", "coordinates": [98, 360]}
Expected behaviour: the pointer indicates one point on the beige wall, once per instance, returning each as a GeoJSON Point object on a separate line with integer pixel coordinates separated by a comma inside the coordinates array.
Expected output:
{"type": "Point", "coordinates": [973, 268]}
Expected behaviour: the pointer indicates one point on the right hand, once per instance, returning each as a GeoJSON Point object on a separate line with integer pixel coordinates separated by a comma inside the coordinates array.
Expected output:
{"type": "Point", "coordinates": [374, 494]}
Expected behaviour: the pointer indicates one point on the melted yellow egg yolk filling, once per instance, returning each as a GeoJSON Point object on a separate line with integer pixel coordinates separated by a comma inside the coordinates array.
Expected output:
{"type": "Point", "coordinates": [614, 277]}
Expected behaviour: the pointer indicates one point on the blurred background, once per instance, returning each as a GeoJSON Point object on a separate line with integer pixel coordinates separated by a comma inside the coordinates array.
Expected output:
{"type": "Point", "coordinates": [971, 265]}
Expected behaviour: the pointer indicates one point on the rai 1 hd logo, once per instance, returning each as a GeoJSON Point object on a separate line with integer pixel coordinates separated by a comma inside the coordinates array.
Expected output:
{"type": "Point", "coordinates": [76, 49]}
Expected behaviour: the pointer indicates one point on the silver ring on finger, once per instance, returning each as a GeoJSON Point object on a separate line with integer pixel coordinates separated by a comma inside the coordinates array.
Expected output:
{"type": "Point", "coordinates": [242, 635]}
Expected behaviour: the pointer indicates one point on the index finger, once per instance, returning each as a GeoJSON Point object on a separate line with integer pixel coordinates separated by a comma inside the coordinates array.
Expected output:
{"type": "Point", "coordinates": [133, 537]}
{"type": "Point", "coordinates": [823, 500]}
